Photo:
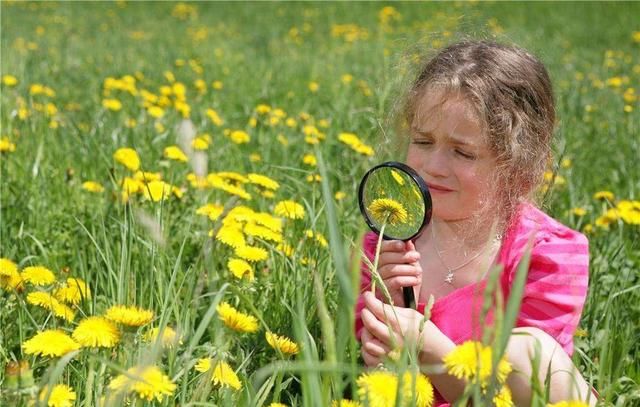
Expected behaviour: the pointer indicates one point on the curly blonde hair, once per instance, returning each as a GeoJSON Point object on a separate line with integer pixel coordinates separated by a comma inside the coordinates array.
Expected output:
{"type": "Point", "coordinates": [510, 92]}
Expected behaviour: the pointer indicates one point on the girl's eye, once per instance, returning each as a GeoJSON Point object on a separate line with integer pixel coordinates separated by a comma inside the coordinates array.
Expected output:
{"type": "Point", "coordinates": [465, 155]}
{"type": "Point", "coordinates": [421, 142]}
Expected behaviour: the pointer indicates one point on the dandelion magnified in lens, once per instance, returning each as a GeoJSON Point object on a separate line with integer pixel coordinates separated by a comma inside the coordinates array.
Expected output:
{"type": "Point", "coordinates": [392, 211]}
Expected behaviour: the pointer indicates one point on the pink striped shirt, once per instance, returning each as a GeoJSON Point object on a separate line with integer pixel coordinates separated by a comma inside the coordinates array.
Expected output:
{"type": "Point", "coordinates": [555, 289]}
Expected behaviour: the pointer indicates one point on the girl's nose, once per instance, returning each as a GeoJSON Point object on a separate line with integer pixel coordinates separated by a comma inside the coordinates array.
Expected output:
{"type": "Point", "coordinates": [435, 164]}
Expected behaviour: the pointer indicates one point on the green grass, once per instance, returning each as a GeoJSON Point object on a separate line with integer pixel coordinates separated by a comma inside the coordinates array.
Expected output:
{"type": "Point", "coordinates": [46, 218]}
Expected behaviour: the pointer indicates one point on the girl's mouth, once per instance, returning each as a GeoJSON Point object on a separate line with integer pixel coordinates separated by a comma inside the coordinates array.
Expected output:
{"type": "Point", "coordinates": [438, 188]}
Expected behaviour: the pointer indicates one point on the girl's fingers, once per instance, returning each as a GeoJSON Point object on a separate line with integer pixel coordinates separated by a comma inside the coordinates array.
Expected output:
{"type": "Point", "coordinates": [383, 312]}
{"type": "Point", "coordinates": [369, 359]}
{"type": "Point", "coordinates": [392, 246]}
{"type": "Point", "coordinates": [377, 329]}
{"type": "Point", "coordinates": [403, 257]}
{"type": "Point", "coordinates": [372, 345]}
{"type": "Point", "coordinates": [396, 270]}
{"type": "Point", "coordinates": [396, 283]}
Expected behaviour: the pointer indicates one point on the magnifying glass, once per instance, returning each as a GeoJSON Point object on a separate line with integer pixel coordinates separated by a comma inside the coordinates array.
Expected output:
{"type": "Point", "coordinates": [395, 201]}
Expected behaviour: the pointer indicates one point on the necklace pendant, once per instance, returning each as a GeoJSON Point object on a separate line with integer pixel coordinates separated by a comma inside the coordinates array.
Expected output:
{"type": "Point", "coordinates": [449, 277]}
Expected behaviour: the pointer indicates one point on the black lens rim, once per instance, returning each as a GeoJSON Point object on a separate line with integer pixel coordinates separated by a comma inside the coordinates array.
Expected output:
{"type": "Point", "coordinates": [424, 191]}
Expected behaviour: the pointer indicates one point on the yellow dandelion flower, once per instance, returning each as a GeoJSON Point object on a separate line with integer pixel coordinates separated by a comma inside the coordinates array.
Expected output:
{"type": "Point", "coordinates": [212, 211]}
{"type": "Point", "coordinates": [629, 211]}
{"type": "Point", "coordinates": [214, 117]}
{"type": "Point", "coordinates": [7, 267]}
{"type": "Point", "coordinates": [389, 210]}
{"type": "Point", "coordinates": [42, 299]}
{"type": "Point", "coordinates": [169, 336]}
{"type": "Point", "coordinates": [233, 177]}
{"type": "Point", "coordinates": [252, 229]}
{"type": "Point", "coordinates": [269, 221]}
{"type": "Point", "coordinates": [604, 195]}
{"type": "Point", "coordinates": [263, 181]}
{"type": "Point", "coordinates": [9, 276]}
{"type": "Point", "coordinates": [314, 86]}
{"type": "Point", "coordinates": [286, 249]}
{"type": "Point", "coordinates": [38, 275]}
{"type": "Point", "coordinates": [610, 216]}
{"type": "Point", "coordinates": [472, 361]}
{"type": "Point", "coordinates": [310, 160]}
{"type": "Point", "coordinates": [289, 209]}
{"type": "Point", "coordinates": [277, 405]}
{"type": "Point", "coordinates": [112, 104]}
{"type": "Point", "coordinates": [503, 398]}
{"type": "Point", "coordinates": [203, 365]}
{"type": "Point", "coordinates": [61, 395]}
{"type": "Point", "coordinates": [579, 211]}
{"type": "Point", "coordinates": [235, 319]}
{"type": "Point", "coordinates": [346, 78]}
{"type": "Point", "coordinates": [291, 122]}
{"type": "Point", "coordinates": [96, 332]}
{"type": "Point", "coordinates": [6, 146]}
{"type": "Point", "coordinates": [127, 157]}
{"type": "Point", "coordinates": [263, 108]}
{"type": "Point", "coordinates": [251, 253]}
{"type": "Point", "coordinates": [63, 311]}
{"type": "Point", "coordinates": [224, 376]}
{"type": "Point", "coordinates": [146, 176]}
{"type": "Point", "coordinates": [175, 153]}
{"type": "Point", "coordinates": [345, 403]}
{"type": "Point", "coordinates": [92, 186]}
{"type": "Point", "coordinates": [9, 80]}
{"type": "Point", "coordinates": [282, 343]}
{"type": "Point", "coordinates": [147, 381]}
{"type": "Point", "coordinates": [240, 269]}
{"type": "Point", "coordinates": [201, 142]}
{"type": "Point", "coordinates": [219, 183]}
{"type": "Point", "coordinates": [231, 236]}
{"type": "Point", "coordinates": [255, 157]}
{"type": "Point", "coordinates": [130, 316]}
{"type": "Point", "coordinates": [569, 403]}
{"type": "Point", "coordinates": [52, 342]}
{"type": "Point", "coordinates": [74, 291]}
{"type": "Point", "coordinates": [379, 388]}
{"type": "Point", "coordinates": [397, 177]}
{"type": "Point", "coordinates": [156, 191]}
{"type": "Point", "coordinates": [155, 111]}
{"type": "Point", "coordinates": [239, 137]}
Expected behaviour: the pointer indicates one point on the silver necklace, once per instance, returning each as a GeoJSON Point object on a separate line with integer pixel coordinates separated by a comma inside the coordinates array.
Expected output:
{"type": "Point", "coordinates": [449, 277]}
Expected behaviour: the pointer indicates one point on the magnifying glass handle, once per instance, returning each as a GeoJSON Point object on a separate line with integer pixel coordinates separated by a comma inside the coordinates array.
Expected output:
{"type": "Point", "coordinates": [409, 297]}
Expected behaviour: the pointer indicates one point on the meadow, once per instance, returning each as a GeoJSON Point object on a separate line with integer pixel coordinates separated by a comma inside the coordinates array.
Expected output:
{"type": "Point", "coordinates": [178, 190]}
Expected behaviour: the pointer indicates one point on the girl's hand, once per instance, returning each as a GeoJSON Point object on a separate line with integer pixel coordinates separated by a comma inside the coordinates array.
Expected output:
{"type": "Point", "coordinates": [399, 266]}
{"type": "Point", "coordinates": [385, 330]}
{"type": "Point", "coordinates": [373, 351]}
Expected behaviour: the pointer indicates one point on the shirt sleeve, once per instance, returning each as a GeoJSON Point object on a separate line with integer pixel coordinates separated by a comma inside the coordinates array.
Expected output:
{"type": "Point", "coordinates": [556, 285]}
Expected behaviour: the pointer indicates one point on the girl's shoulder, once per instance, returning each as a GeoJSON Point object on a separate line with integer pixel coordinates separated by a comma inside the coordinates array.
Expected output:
{"type": "Point", "coordinates": [532, 223]}
{"type": "Point", "coordinates": [550, 241]}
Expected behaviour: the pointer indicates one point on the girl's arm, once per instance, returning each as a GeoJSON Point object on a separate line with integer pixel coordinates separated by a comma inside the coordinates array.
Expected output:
{"type": "Point", "coordinates": [566, 383]}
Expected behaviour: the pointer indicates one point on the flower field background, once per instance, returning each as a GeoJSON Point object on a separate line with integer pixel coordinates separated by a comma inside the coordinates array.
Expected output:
{"type": "Point", "coordinates": [178, 190]}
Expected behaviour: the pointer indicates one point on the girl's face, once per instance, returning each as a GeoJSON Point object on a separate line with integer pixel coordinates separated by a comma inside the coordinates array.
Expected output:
{"type": "Point", "coordinates": [449, 151]}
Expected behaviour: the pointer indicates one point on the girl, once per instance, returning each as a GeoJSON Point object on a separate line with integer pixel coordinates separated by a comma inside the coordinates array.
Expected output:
{"type": "Point", "coordinates": [481, 117]}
